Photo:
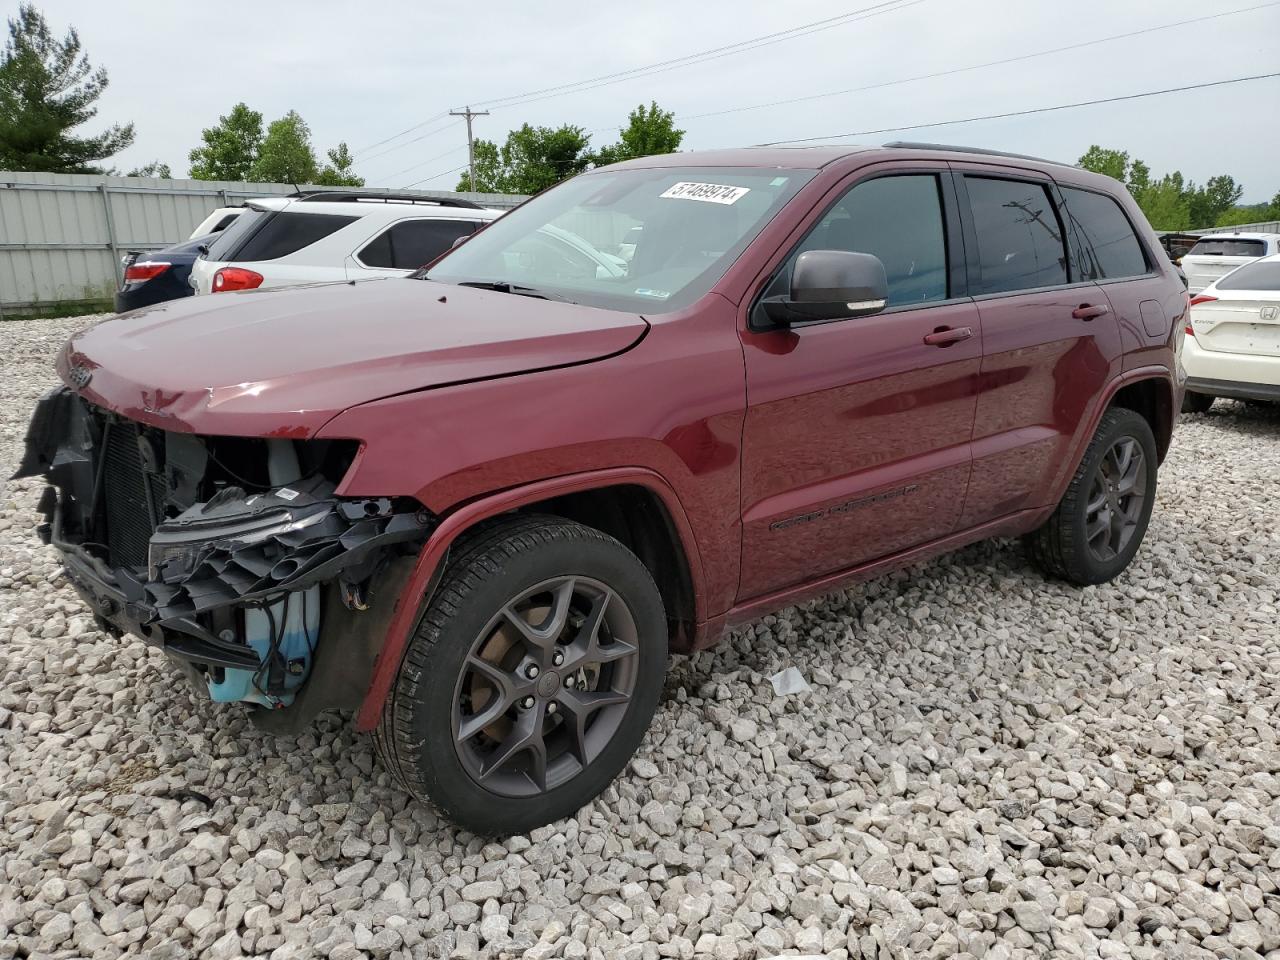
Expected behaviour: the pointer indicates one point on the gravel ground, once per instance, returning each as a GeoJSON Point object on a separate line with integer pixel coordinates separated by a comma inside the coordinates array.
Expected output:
{"type": "Point", "coordinates": [987, 765]}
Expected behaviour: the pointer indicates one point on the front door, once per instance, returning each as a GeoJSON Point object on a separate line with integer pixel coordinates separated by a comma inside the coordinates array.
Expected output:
{"type": "Point", "coordinates": [856, 441]}
{"type": "Point", "coordinates": [1050, 342]}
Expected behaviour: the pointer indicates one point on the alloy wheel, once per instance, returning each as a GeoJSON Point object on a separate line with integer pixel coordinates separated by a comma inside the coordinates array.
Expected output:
{"type": "Point", "coordinates": [545, 686]}
{"type": "Point", "coordinates": [1116, 496]}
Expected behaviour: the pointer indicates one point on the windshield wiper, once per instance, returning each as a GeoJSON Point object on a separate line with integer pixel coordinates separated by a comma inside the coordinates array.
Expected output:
{"type": "Point", "coordinates": [503, 286]}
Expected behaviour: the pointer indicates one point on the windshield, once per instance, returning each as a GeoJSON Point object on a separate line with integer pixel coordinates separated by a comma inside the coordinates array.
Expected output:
{"type": "Point", "coordinates": [644, 241]}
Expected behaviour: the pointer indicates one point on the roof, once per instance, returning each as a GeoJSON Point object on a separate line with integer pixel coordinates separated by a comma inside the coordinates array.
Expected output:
{"type": "Point", "coordinates": [801, 157]}
{"type": "Point", "coordinates": [808, 156]}
{"type": "Point", "coordinates": [392, 209]}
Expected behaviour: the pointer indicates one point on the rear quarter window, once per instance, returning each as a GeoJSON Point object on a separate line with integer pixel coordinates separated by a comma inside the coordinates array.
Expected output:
{"type": "Point", "coordinates": [287, 233]}
{"type": "Point", "coordinates": [1111, 247]}
{"type": "Point", "coordinates": [1228, 248]}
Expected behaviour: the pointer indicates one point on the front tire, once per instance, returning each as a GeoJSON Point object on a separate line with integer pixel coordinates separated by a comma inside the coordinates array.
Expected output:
{"type": "Point", "coordinates": [1196, 402]}
{"type": "Point", "coordinates": [531, 678]}
{"type": "Point", "coordinates": [1101, 520]}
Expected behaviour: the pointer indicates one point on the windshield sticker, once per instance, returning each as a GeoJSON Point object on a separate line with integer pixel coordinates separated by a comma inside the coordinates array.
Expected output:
{"type": "Point", "coordinates": [706, 192]}
{"type": "Point", "coordinates": [647, 292]}
{"type": "Point", "coordinates": [778, 181]}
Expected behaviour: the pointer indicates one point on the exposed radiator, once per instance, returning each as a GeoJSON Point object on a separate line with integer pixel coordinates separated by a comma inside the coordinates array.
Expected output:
{"type": "Point", "coordinates": [131, 495]}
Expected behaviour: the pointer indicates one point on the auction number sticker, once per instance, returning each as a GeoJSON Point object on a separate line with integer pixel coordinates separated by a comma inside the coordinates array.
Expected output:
{"type": "Point", "coordinates": [706, 192]}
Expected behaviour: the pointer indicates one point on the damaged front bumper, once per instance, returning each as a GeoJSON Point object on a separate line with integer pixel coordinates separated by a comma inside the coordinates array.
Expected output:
{"type": "Point", "coordinates": [221, 575]}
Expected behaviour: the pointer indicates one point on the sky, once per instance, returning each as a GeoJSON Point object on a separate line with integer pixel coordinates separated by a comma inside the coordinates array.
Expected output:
{"type": "Point", "coordinates": [365, 72]}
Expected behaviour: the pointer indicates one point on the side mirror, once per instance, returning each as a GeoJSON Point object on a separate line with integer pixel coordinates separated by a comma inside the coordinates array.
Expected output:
{"type": "Point", "coordinates": [831, 285]}
{"type": "Point", "coordinates": [460, 241]}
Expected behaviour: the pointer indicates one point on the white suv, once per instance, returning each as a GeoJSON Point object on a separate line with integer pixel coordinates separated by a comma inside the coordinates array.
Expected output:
{"type": "Point", "coordinates": [1217, 254]}
{"type": "Point", "coordinates": [333, 236]}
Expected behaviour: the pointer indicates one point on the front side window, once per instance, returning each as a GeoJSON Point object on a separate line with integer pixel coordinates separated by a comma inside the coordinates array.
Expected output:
{"type": "Point", "coordinates": [898, 219]}
{"type": "Point", "coordinates": [647, 240]}
{"type": "Point", "coordinates": [411, 243]}
{"type": "Point", "coordinates": [1019, 236]}
{"type": "Point", "coordinates": [1114, 250]}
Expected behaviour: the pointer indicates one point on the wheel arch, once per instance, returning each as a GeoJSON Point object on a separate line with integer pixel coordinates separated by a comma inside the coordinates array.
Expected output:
{"type": "Point", "coordinates": [1151, 396]}
{"type": "Point", "coordinates": [618, 501]}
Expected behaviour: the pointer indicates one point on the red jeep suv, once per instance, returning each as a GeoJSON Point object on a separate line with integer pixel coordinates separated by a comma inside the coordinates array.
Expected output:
{"type": "Point", "coordinates": [479, 505]}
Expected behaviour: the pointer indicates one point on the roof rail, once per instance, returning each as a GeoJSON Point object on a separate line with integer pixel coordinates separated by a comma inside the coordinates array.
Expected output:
{"type": "Point", "coordinates": [913, 145]}
{"type": "Point", "coordinates": [347, 196]}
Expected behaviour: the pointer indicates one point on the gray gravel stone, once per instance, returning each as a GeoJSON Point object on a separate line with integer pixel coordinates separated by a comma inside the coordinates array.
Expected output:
{"type": "Point", "coordinates": [987, 764]}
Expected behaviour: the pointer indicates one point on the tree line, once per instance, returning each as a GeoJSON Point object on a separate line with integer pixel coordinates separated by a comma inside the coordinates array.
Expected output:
{"type": "Point", "coordinates": [1172, 202]}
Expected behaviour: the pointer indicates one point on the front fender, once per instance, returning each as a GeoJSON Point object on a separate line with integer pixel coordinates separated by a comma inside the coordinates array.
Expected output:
{"type": "Point", "coordinates": [418, 588]}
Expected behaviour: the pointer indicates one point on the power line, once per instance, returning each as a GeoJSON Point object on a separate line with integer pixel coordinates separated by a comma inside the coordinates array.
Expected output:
{"type": "Point", "coordinates": [423, 163]}
{"type": "Point", "coordinates": [989, 116]}
{"type": "Point", "coordinates": [978, 66]}
{"type": "Point", "coordinates": [396, 136]}
{"type": "Point", "coordinates": [714, 53]}
{"type": "Point", "coordinates": [1023, 113]}
{"type": "Point", "coordinates": [422, 136]}
{"type": "Point", "coordinates": [434, 176]}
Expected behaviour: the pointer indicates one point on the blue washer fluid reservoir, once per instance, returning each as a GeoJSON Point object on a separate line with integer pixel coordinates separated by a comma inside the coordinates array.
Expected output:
{"type": "Point", "coordinates": [297, 617]}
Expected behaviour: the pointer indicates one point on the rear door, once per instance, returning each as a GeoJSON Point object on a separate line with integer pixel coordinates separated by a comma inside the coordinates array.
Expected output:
{"type": "Point", "coordinates": [1141, 290]}
{"type": "Point", "coordinates": [856, 440]}
{"type": "Point", "coordinates": [406, 245]}
{"type": "Point", "coordinates": [1050, 340]}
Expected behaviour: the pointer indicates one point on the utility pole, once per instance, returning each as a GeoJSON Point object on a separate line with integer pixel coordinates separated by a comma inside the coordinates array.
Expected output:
{"type": "Point", "coordinates": [471, 143]}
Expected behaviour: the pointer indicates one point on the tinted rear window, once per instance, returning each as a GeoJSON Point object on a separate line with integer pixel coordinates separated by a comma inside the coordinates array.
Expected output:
{"type": "Point", "coordinates": [239, 228]}
{"type": "Point", "coordinates": [287, 233]}
{"type": "Point", "coordinates": [1019, 237]}
{"type": "Point", "coordinates": [1115, 250]}
{"type": "Point", "coordinates": [1228, 248]}
{"type": "Point", "coordinates": [413, 243]}
{"type": "Point", "coordinates": [1253, 276]}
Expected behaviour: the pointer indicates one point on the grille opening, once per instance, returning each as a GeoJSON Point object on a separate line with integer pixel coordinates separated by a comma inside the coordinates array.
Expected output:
{"type": "Point", "coordinates": [149, 475]}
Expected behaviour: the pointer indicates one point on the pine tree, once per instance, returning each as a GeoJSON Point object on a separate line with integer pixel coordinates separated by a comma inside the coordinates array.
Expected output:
{"type": "Point", "coordinates": [47, 89]}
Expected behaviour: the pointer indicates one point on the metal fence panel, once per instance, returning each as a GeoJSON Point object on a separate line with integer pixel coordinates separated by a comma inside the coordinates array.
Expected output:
{"type": "Point", "coordinates": [1266, 226]}
{"type": "Point", "coordinates": [61, 235]}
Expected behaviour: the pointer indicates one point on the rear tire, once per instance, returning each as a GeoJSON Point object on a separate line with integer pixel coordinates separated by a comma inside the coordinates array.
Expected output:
{"type": "Point", "coordinates": [1196, 402]}
{"type": "Point", "coordinates": [531, 679]}
{"type": "Point", "coordinates": [1101, 520]}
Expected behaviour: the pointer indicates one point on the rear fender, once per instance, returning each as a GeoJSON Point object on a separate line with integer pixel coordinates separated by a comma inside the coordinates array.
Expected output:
{"type": "Point", "coordinates": [1128, 378]}
{"type": "Point", "coordinates": [416, 592]}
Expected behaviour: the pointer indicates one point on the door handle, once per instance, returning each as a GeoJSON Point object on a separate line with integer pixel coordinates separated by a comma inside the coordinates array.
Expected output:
{"type": "Point", "coordinates": [946, 336]}
{"type": "Point", "coordinates": [1088, 311]}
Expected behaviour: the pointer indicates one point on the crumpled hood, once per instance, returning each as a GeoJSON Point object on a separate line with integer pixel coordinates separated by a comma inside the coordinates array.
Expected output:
{"type": "Point", "coordinates": [283, 362]}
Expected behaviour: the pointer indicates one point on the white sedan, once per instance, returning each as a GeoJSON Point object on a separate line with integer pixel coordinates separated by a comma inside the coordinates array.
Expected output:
{"type": "Point", "coordinates": [1232, 347]}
